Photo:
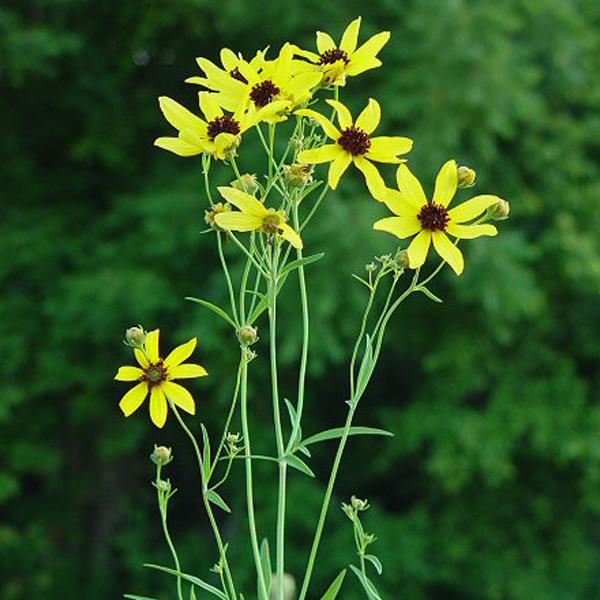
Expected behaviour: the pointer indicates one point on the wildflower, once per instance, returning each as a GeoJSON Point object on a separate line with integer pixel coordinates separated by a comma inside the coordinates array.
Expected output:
{"type": "Point", "coordinates": [253, 216]}
{"type": "Point", "coordinates": [499, 211]}
{"type": "Point", "coordinates": [215, 209]}
{"type": "Point", "coordinates": [432, 221]}
{"type": "Point", "coordinates": [354, 144]}
{"type": "Point", "coordinates": [154, 377]}
{"type": "Point", "coordinates": [219, 135]}
{"type": "Point", "coordinates": [335, 62]}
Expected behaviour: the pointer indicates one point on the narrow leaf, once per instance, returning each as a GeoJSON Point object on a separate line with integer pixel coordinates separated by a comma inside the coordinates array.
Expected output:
{"type": "Point", "coordinates": [216, 309]}
{"type": "Point", "coordinates": [332, 434]}
{"type": "Point", "coordinates": [217, 500]}
{"type": "Point", "coordinates": [206, 454]}
{"type": "Point", "coordinates": [132, 597]}
{"type": "Point", "coordinates": [429, 294]}
{"type": "Point", "coordinates": [195, 580]}
{"type": "Point", "coordinates": [375, 562]}
{"type": "Point", "coordinates": [334, 588]}
{"type": "Point", "coordinates": [265, 561]}
{"type": "Point", "coordinates": [298, 463]}
{"type": "Point", "coordinates": [300, 262]}
{"type": "Point", "coordinates": [367, 584]}
{"type": "Point", "coordinates": [366, 368]}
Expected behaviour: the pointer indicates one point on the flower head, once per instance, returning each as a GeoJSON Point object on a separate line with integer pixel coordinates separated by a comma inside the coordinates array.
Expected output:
{"type": "Point", "coordinates": [155, 376]}
{"type": "Point", "coordinates": [218, 134]}
{"type": "Point", "coordinates": [337, 61]}
{"type": "Point", "coordinates": [353, 143]}
{"type": "Point", "coordinates": [433, 221]}
{"type": "Point", "coordinates": [254, 216]}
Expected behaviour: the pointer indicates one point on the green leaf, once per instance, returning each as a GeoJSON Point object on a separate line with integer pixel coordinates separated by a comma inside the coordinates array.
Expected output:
{"type": "Point", "coordinates": [365, 283]}
{"type": "Point", "coordinates": [216, 309]}
{"type": "Point", "coordinates": [132, 597]}
{"type": "Point", "coordinates": [265, 561]}
{"type": "Point", "coordinates": [375, 562]}
{"type": "Point", "coordinates": [428, 293]}
{"type": "Point", "coordinates": [296, 429]}
{"type": "Point", "coordinates": [195, 580]}
{"type": "Point", "coordinates": [298, 463]}
{"type": "Point", "coordinates": [192, 593]}
{"type": "Point", "coordinates": [217, 500]}
{"type": "Point", "coordinates": [367, 584]}
{"type": "Point", "coordinates": [332, 434]}
{"type": "Point", "coordinates": [206, 453]}
{"type": "Point", "coordinates": [300, 262]}
{"type": "Point", "coordinates": [334, 588]}
{"type": "Point", "coordinates": [366, 368]}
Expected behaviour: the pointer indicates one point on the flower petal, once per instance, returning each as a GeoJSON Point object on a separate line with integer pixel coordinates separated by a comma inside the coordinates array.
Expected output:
{"type": "Point", "coordinates": [242, 200]}
{"type": "Point", "coordinates": [338, 168]}
{"type": "Point", "coordinates": [330, 130]}
{"type": "Point", "coordinates": [179, 396]}
{"type": "Point", "coordinates": [324, 42]}
{"type": "Point", "coordinates": [472, 208]}
{"type": "Point", "coordinates": [238, 221]}
{"type": "Point", "coordinates": [470, 232]}
{"type": "Point", "coordinates": [369, 118]}
{"type": "Point", "coordinates": [386, 149]}
{"type": "Point", "coordinates": [358, 66]}
{"type": "Point", "coordinates": [343, 114]}
{"type": "Point", "coordinates": [410, 187]}
{"type": "Point", "coordinates": [367, 52]}
{"type": "Point", "coordinates": [229, 59]}
{"type": "Point", "coordinates": [133, 399]}
{"type": "Point", "coordinates": [418, 248]}
{"type": "Point", "coordinates": [140, 357]}
{"type": "Point", "coordinates": [181, 353]}
{"type": "Point", "coordinates": [158, 405]}
{"type": "Point", "coordinates": [350, 37]}
{"type": "Point", "coordinates": [152, 346]}
{"type": "Point", "coordinates": [128, 374]}
{"type": "Point", "coordinates": [316, 156]}
{"type": "Point", "coordinates": [209, 106]}
{"type": "Point", "coordinates": [178, 146]}
{"type": "Point", "coordinates": [401, 227]}
{"type": "Point", "coordinates": [373, 178]}
{"type": "Point", "coordinates": [179, 116]}
{"type": "Point", "coordinates": [287, 233]}
{"type": "Point", "coordinates": [448, 251]}
{"type": "Point", "coordinates": [187, 371]}
{"type": "Point", "coordinates": [398, 204]}
{"type": "Point", "coordinates": [446, 183]}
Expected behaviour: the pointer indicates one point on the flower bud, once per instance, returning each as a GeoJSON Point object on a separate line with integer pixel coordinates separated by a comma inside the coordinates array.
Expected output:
{"type": "Point", "coordinates": [135, 337]}
{"type": "Point", "coordinates": [499, 211]}
{"type": "Point", "coordinates": [289, 587]}
{"type": "Point", "coordinates": [371, 267]}
{"type": "Point", "coordinates": [401, 259]}
{"type": "Point", "coordinates": [248, 335]}
{"type": "Point", "coordinates": [161, 455]}
{"type": "Point", "coordinates": [298, 175]}
{"type": "Point", "coordinates": [358, 504]}
{"type": "Point", "coordinates": [163, 486]}
{"type": "Point", "coordinates": [215, 209]}
{"type": "Point", "coordinates": [466, 177]}
{"type": "Point", "coordinates": [246, 183]}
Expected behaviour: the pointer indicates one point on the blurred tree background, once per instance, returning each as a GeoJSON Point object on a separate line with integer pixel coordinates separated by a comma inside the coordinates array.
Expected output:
{"type": "Point", "coordinates": [490, 487]}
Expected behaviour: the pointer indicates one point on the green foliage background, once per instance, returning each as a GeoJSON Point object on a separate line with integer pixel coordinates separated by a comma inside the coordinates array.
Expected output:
{"type": "Point", "coordinates": [491, 487]}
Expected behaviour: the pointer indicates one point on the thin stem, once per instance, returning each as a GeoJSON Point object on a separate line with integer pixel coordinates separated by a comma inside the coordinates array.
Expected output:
{"type": "Point", "coordinates": [246, 252]}
{"type": "Point", "coordinates": [228, 278]}
{"type": "Point", "coordinates": [315, 207]}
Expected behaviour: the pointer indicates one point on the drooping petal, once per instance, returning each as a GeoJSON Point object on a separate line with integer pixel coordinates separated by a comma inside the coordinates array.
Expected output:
{"type": "Point", "coordinates": [324, 42]}
{"type": "Point", "coordinates": [209, 106]}
{"type": "Point", "coordinates": [158, 406]}
{"type": "Point", "coordinates": [179, 396]}
{"type": "Point", "coordinates": [287, 233]}
{"type": "Point", "coordinates": [448, 251]}
{"type": "Point", "coordinates": [386, 149]}
{"type": "Point", "coordinates": [133, 399]}
{"type": "Point", "coordinates": [330, 130]}
{"type": "Point", "coordinates": [410, 186]}
{"type": "Point", "coordinates": [181, 353]}
{"type": "Point", "coordinates": [238, 221]}
{"type": "Point", "coordinates": [128, 374]}
{"type": "Point", "coordinates": [316, 156]}
{"type": "Point", "coordinates": [179, 116]}
{"type": "Point", "coordinates": [152, 346]}
{"type": "Point", "coordinates": [446, 183]}
{"type": "Point", "coordinates": [373, 178]}
{"type": "Point", "coordinates": [177, 146]}
{"type": "Point", "coordinates": [140, 357]}
{"type": "Point", "coordinates": [242, 200]}
{"type": "Point", "coordinates": [418, 248]}
{"type": "Point", "coordinates": [401, 227]}
{"type": "Point", "coordinates": [470, 232]}
{"type": "Point", "coordinates": [369, 118]}
{"type": "Point", "coordinates": [343, 114]}
{"type": "Point", "coordinates": [338, 168]}
{"type": "Point", "coordinates": [350, 37]}
{"type": "Point", "coordinates": [398, 204]}
{"type": "Point", "coordinates": [187, 371]}
{"type": "Point", "coordinates": [472, 208]}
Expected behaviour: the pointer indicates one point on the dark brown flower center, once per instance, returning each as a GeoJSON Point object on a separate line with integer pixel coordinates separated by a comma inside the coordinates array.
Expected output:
{"type": "Point", "coordinates": [235, 73]}
{"type": "Point", "coordinates": [224, 124]}
{"type": "Point", "coordinates": [272, 224]}
{"type": "Point", "coordinates": [154, 373]}
{"type": "Point", "coordinates": [355, 140]}
{"type": "Point", "coordinates": [433, 217]}
{"type": "Point", "coordinates": [263, 93]}
{"type": "Point", "coordinates": [331, 56]}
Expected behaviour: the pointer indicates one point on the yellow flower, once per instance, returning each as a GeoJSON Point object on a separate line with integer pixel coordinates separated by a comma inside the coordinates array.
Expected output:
{"type": "Point", "coordinates": [253, 216]}
{"type": "Point", "coordinates": [432, 221]}
{"type": "Point", "coordinates": [336, 62]}
{"type": "Point", "coordinates": [261, 83]}
{"type": "Point", "coordinates": [218, 135]}
{"type": "Point", "coordinates": [154, 377]}
{"type": "Point", "coordinates": [354, 144]}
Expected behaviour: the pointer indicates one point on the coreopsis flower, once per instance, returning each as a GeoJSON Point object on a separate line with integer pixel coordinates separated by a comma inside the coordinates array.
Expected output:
{"type": "Point", "coordinates": [155, 375]}
{"type": "Point", "coordinates": [261, 84]}
{"type": "Point", "coordinates": [253, 215]}
{"type": "Point", "coordinates": [218, 134]}
{"type": "Point", "coordinates": [353, 143]}
{"type": "Point", "coordinates": [433, 221]}
{"type": "Point", "coordinates": [336, 62]}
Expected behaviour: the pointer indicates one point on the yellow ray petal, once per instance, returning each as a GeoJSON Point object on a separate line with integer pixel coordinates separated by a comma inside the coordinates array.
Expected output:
{"type": "Point", "coordinates": [179, 116]}
{"type": "Point", "coordinates": [244, 201]}
{"type": "Point", "coordinates": [338, 168]}
{"type": "Point", "coordinates": [238, 221]}
{"type": "Point", "coordinates": [343, 114]}
{"type": "Point", "coordinates": [328, 127]}
{"type": "Point", "coordinates": [398, 204]}
{"type": "Point", "coordinates": [401, 227]}
{"type": "Point", "coordinates": [446, 183]}
{"type": "Point", "coordinates": [472, 208]}
{"type": "Point", "coordinates": [229, 59]}
{"type": "Point", "coordinates": [181, 353]}
{"type": "Point", "coordinates": [324, 42]}
{"type": "Point", "coordinates": [373, 178]}
{"type": "Point", "coordinates": [316, 156]}
{"type": "Point", "coordinates": [133, 399]}
{"type": "Point", "coordinates": [209, 106]}
{"type": "Point", "coordinates": [187, 371]}
{"type": "Point", "coordinates": [369, 118]}
{"type": "Point", "coordinates": [358, 66]}
{"type": "Point", "coordinates": [350, 37]}
{"type": "Point", "coordinates": [371, 47]}
{"type": "Point", "coordinates": [287, 233]}
{"type": "Point", "coordinates": [140, 357]}
{"type": "Point", "coordinates": [179, 396]}
{"type": "Point", "coordinates": [177, 146]}
{"type": "Point", "coordinates": [448, 251]}
{"type": "Point", "coordinates": [128, 374]}
{"type": "Point", "coordinates": [152, 346]}
{"type": "Point", "coordinates": [386, 149]}
{"type": "Point", "coordinates": [158, 406]}
{"type": "Point", "coordinates": [470, 232]}
{"type": "Point", "coordinates": [418, 248]}
{"type": "Point", "coordinates": [410, 186]}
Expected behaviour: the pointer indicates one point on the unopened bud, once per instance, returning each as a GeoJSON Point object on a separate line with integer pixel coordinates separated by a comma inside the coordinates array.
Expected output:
{"type": "Point", "coordinates": [163, 486]}
{"type": "Point", "coordinates": [289, 587]}
{"type": "Point", "coordinates": [246, 183]}
{"type": "Point", "coordinates": [401, 259]}
{"type": "Point", "coordinates": [358, 504]}
{"type": "Point", "coordinates": [161, 455]}
{"type": "Point", "coordinates": [371, 267]}
{"type": "Point", "coordinates": [248, 335]}
{"type": "Point", "coordinates": [298, 175]}
{"type": "Point", "coordinates": [499, 211]}
{"type": "Point", "coordinates": [466, 177]}
{"type": "Point", "coordinates": [213, 211]}
{"type": "Point", "coordinates": [135, 337]}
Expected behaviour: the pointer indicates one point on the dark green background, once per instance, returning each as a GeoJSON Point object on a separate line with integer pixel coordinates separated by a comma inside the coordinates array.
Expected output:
{"type": "Point", "coordinates": [491, 487]}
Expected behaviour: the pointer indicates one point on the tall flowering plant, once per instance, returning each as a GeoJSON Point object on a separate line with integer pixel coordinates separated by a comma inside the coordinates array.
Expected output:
{"type": "Point", "coordinates": [264, 218]}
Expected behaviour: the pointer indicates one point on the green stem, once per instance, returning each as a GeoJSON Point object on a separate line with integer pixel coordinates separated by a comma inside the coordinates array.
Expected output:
{"type": "Point", "coordinates": [228, 278]}
{"type": "Point", "coordinates": [246, 252]}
